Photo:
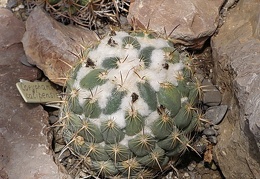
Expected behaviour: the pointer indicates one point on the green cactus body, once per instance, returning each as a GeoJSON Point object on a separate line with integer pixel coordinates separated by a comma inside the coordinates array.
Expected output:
{"type": "Point", "coordinates": [130, 112]}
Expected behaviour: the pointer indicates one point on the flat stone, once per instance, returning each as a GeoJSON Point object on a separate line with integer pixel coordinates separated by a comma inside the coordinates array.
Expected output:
{"type": "Point", "coordinates": [236, 53]}
{"type": "Point", "coordinates": [216, 114]}
{"type": "Point", "coordinates": [25, 147]}
{"type": "Point", "coordinates": [196, 20]}
{"type": "Point", "coordinates": [52, 46]}
{"type": "Point", "coordinates": [211, 95]}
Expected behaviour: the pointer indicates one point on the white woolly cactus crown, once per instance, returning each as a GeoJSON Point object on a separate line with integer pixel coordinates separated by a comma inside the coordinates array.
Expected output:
{"type": "Point", "coordinates": [130, 105]}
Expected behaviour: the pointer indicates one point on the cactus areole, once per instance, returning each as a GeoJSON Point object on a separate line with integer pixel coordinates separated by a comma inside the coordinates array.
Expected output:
{"type": "Point", "coordinates": [129, 106]}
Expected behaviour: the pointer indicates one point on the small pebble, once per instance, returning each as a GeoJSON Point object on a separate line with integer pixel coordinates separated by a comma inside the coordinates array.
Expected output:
{"type": "Point", "coordinates": [169, 175]}
{"type": "Point", "coordinates": [207, 125]}
{"type": "Point", "coordinates": [53, 119]}
{"type": "Point", "coordinates": [213, 166]}
{"type": "Point", "coordinates": [59, 139]}
{"type": "Point", "coordinates": [186, 175]}
{"type": "Point", "coordinates": [64, 155]}
{"type": "Point", "coordinates": [11, 4]}
{"type": "Point", "coordinates": [216, 114]}
{"type": "Point", "coordinates": [199, 75]}
{"type": "Point", "coordinates": [58, 147]}
{"type": "Point", "coordinates": [200, 145]}
{"type": "Point", "coordinates": [216, 127]}
{"type": "Point", "coordinates": [56, 113]}
{"type": "Point", "coordinates": [206, 176]}
{"type": "Point", "coordinates": [200, 165]}
{"type": "Point", "coordinates": [191, 166]}
{"type": "Point", "coordinates": [24, 61]}
{"type": "Point", "coordinates": [213, 139]}
{"type": "Point", "coordinates": [193, 175]}
{"type": "Point", "coordinates": [200, 148]}
{"type": "Point", "coordinates": [209, 132]}
{"type": "Point", "coordinates": [71, 160]}
{"type": "Point", "coordinates": [21, 6]}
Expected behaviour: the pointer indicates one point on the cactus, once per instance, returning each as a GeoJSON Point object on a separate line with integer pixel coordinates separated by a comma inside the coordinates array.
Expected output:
{"type": "Point", "coordinates": [130, 105]}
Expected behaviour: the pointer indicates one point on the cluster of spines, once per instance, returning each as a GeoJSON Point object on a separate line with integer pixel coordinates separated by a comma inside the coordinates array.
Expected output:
{"type": "Point", "coordinates": [144, 152]}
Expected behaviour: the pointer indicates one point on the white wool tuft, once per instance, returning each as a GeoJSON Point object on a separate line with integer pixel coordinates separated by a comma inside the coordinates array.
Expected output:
{"type": "Point", "coordinates": [83, 71]}
{"type": "Point", "coordinates": [173, 72]}
{"type": "Point", "coordinates": [83, 94]}
{"type": "Point", "coordinates": [151, 118]}
{"type": "Point", "coordinates": [157, 43]}
{"type": "Point", "coordinates": [103, 93]}
{"type": "Point", "coordinates": [82, 116]}
{"type": "Point", "coordinates": [126, 139]}
{"type": "Point", "coordinates": [118, 117]}
{"type": "Point", "coordinates": [157, 58]}
{"type": "Point", "coordinates": [147, 130]}
{"type": "Point", "coordinates": [97, 121]}
{"type": "Point", "coordinates": [102, 144]}
{"type": "Point", "coordinates": [184, 99]}
{"type": "Point", "coordinates": [141, 106]}
{"type": "Point", "coordinates": [126, 102]}
{"type": "Point", "coordinates": [160, 43]}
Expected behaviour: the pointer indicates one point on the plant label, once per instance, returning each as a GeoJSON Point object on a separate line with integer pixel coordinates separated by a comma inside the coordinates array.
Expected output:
{"type": "Point", "coordinates": [37, 92]}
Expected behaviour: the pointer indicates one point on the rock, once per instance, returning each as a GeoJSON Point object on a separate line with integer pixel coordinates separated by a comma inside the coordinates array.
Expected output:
{"type": "Point", "coordinates": [212, 139]}
{"type": "Point", "coordinates": [58, 147]}
{"type": "Point", "coordinates": [24, 61]}
{"type": "Point", "coordinates": [186, 175]}
{"type": "Point", "coordinates": [192, 166]}
{"type": "Point", "coordinates": [53, 119]}
{"type": "Point", "coordinates": [209, 132]}
{"type": "Point", "coordinates": [200, 145]}
{"type": "Point", "coordinates": [3, 3]}
{"type": "Point", "coordinates": [215, 114]}
{"type": "Point", "coordinates": [195, 20]}
{"type": "Point", "coordinates": [64, 155]}
{"type": "Point", "coordinates": [11, 4]}
{"type": "Point", "coordinates": [8, 20]}
{"type": "Point", "coordinates": [24, 151]}
{"type": "Point", "coordinates": [52, 46]}
{"type": "Point", "coordinates": [236, 53]}
{"type": "Point", "coordinates": [211, 95]}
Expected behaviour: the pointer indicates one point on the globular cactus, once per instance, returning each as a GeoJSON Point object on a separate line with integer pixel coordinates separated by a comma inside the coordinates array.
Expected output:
{"type": "Point", "coordinates": [130, 106]}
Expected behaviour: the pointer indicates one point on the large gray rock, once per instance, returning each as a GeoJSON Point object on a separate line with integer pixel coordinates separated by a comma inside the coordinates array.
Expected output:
{"type": "Point", "coordinates": [24, 147]}
{"type": "Point", "coordinates": [52, 46]}
{"type": "Point", "coordinates": [197, 19]}
{"type": "Point", "coordinates": [236, 51]}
